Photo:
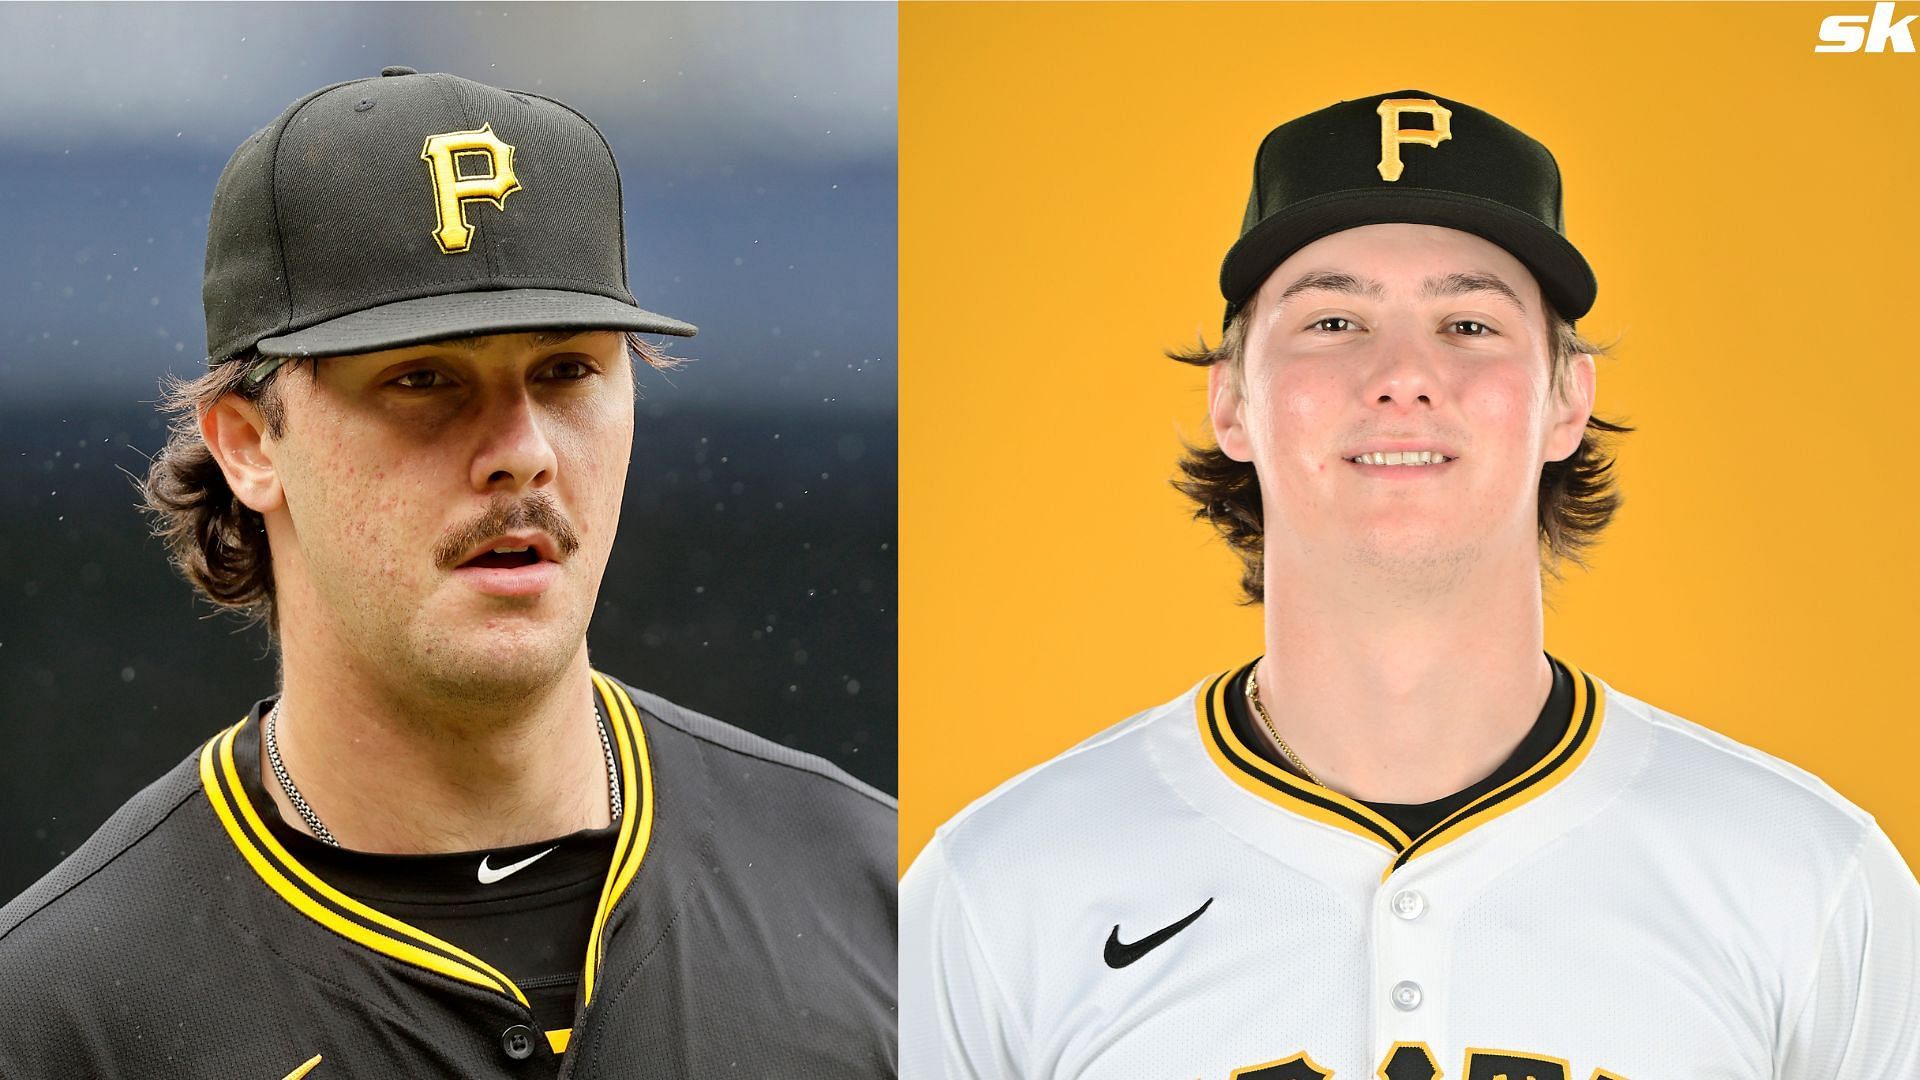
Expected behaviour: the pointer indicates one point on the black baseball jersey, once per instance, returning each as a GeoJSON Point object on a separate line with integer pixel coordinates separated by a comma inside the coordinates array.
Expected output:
{"type": "Point", "coordinates": [745, 926]}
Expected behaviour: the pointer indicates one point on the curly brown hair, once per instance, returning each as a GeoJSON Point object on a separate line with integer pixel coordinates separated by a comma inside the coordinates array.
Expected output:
{"type": "Point", "coordinates": [1578, 496]}
{"type": "Point", "coordinates": [214, 540]}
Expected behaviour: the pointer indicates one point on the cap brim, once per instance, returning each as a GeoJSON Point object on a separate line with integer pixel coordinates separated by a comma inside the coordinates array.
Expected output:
{"type": "Point", "coordinates": [467, 314]}
{"type": "Point", "coordinates": [1564, 276]}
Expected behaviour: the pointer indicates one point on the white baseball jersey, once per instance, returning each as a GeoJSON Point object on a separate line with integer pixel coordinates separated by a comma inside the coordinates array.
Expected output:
{"type": "Point", "coordinates": [1649, 901]}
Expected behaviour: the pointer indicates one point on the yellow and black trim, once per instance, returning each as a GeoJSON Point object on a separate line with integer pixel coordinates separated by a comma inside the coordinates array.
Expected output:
{"type": "Point", "coordinates": [1589, 706]}
{"type": "Point", "coordinates": [1260, 776]}
{"type": "Point", "coordinates": [1271, 782]}
{"type": "Point", "coordinates": [636, 827]}
{"type": "Point", "coordinates": [307, 893]}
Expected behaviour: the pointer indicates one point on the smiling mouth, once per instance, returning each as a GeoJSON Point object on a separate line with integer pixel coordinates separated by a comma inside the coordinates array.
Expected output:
{"type": "Point", "coordinates": [504, 558]}
{"type": "Point", "coordinates": [1401, 457]}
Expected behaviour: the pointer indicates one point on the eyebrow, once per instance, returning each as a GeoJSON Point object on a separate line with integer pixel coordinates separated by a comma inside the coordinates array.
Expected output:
{"type": "Point", "coordinates": [1330, 281]}
{"type": "Point", "coordinates": [1434, 288]}
{"type": "Point", "coordinates": [1461, 284]}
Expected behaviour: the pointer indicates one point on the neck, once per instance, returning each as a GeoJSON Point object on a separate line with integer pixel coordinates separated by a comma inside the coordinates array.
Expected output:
{"type": "Point", "coordinates": [1404, 696]}
{"type": "Point", "coordinates": [398, 769]}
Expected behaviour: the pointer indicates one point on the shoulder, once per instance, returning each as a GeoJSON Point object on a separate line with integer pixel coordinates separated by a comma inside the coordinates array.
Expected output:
{"type": "Point", "coordinates": [1112, 783]}
{"type": "Point", "coordinates": [121, 920]}
{"type": "Point", "coordinates": [782, 838]}
{"type": "Point", "coordinates": [755, 789]}
{"type": "Point", "coordinates": [1688, 770]}
{"type": "Point", "coordinates": [750, 758]}
{"type": "Point", "coordinates": [1693, 805]}
{"type": "Point", "coordinates": [86, 881]}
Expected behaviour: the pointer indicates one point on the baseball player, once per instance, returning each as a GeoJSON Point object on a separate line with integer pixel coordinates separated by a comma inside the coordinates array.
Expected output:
{"type": "Point", "coordinates": [1405, 842]}
{"type": "Point", "coordinates": [448, 845]}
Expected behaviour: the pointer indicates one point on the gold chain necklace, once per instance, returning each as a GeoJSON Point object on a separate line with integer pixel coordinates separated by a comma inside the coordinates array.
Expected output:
{"type": "Point", "coordinates": [1253, 699]}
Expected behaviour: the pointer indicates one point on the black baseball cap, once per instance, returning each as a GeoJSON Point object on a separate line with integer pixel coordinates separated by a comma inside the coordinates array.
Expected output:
{"type": "Point", "coordinates": [408, 208]}
{"type": "Point", "coordinates": [1408, 156]}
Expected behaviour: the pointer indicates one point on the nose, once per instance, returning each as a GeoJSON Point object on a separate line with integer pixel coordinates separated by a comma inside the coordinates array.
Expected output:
{"type": "Point", "coordinates": [514, 453]}
{"type": "Point", "coordinates": [1403, 375]}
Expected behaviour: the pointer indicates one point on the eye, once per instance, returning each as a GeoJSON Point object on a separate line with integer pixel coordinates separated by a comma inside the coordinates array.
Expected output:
{"type": "Point", "coordinates": [1333, 324]}
{"type": "Point", "coordinates": [1472, 328]}
{"type": "Point", "coordinates": [569, 369]}
{"type": "Point", "coordinates": [420, 379]}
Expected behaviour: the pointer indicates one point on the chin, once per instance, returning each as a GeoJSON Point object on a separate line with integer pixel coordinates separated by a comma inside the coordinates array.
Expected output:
{"type": "Point", "coordinates": [1417, 554]}
{"type": "Point", "coordinates": [503, 659]}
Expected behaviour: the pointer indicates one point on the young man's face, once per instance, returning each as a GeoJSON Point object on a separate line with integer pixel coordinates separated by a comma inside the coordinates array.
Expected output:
{"type": "Point", "coordinates": [1418, 342]}
{"type": "Point", "coordinates": [400, 472]}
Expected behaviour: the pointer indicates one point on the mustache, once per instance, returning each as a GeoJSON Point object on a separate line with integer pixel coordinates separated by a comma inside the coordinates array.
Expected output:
{"type": "Point", "coordinates": [536, 510]}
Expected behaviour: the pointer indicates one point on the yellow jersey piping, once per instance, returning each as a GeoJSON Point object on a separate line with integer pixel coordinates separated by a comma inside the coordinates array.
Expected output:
{"type": "Point", "coordinates": [1269, 781]}
{"type": "Point", "coordinates": [307, 893]}
{"type": "Point", "coordinates": [1589, 709]}
{"type": "Point", "coordinates": [636, 826]}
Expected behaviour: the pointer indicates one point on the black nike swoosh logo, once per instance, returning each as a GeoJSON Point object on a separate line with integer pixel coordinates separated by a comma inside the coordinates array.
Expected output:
{"type": "Point", "coordinates": [1121, 954]}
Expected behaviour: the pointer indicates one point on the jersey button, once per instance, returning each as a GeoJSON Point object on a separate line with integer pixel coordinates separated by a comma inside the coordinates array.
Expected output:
{"type": "Point", "coordinates": [1406, 996]}
{"type": "Point", "coordinates": [1409, 904]}
{"type": "Point", "coordinates": [517, 1041]}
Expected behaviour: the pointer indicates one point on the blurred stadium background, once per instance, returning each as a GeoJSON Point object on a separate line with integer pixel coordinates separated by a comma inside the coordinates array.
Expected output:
{"type": "Point", "coordinates": [754, 577]}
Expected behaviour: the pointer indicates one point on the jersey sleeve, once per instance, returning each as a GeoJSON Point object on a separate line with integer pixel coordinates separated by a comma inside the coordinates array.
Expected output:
{"type": "Point", "coordinates": [955, 1020]}
{"type": "Point", "coordinates": [1860, 1016]}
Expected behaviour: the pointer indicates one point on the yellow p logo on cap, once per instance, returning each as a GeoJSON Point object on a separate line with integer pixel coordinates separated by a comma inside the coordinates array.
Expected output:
{"type": "Point", "coordinates": [1392, 134]}
{"type": "Point", "coordinates": [452, 191]}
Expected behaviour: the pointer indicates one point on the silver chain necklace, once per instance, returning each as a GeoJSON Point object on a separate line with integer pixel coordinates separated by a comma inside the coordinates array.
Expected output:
{"type": "Point", "coordinates": [312, 819]}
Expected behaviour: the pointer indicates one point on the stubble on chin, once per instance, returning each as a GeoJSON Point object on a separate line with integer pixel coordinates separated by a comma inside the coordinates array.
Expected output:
{"type": "Point", "coordinates": [1411, 570]}
{"type": "Point", "coordinates": [486, 666]}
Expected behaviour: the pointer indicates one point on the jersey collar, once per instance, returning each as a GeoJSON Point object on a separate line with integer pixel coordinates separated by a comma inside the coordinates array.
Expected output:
{"type": "Point", "coordinates": [1296, 794]}
{"type": "Point", "coordinates": [365, 926]}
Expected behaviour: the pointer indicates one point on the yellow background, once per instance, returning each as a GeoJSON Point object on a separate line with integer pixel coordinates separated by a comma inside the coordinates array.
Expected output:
{"type": "Point", "coordinates": [1071, 176]}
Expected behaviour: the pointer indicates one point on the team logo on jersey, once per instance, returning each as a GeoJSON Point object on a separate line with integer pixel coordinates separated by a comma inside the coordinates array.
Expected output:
{"type": "Point", "coordinates": [1415, 1061]}
{"type": "Point", "coordinates": [1392, 135]}
{"type": "Point", "coordinates": [467, 166]}
{"type": "Point", "coordinates": [1119, 954]}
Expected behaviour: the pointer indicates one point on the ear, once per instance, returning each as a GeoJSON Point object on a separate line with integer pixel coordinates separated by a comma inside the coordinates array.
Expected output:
{"type": "Point", "coordinates": [1572, 407]}
{"type": "Point", "coordinates": [236, 434]}
{"type": "Point", "coordinates": [1226, 409]}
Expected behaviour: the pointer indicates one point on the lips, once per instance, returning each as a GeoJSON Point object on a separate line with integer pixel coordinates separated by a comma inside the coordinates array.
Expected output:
{"type": "Point", "coordinates": [510, 551]}
{"type": "Point", "coordinates": [1402, 458]}
{"type": "Point", "coordinates": [520, 564]}
{"type": "Point", "coordinates": [1394, 454]}
{"type": "Point", "coordinates": [504, 558]}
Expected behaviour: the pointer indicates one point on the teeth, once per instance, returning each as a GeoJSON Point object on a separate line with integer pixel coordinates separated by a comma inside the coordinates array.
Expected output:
{"type": "Point", "coordinates": [1401, 457]}
{"type": "Point", "coordinates": [509, 551]}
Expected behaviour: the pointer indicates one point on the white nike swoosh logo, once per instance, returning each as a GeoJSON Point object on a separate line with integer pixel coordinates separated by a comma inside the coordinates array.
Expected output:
{"type": "Point", "coordinates": [488, 875]}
